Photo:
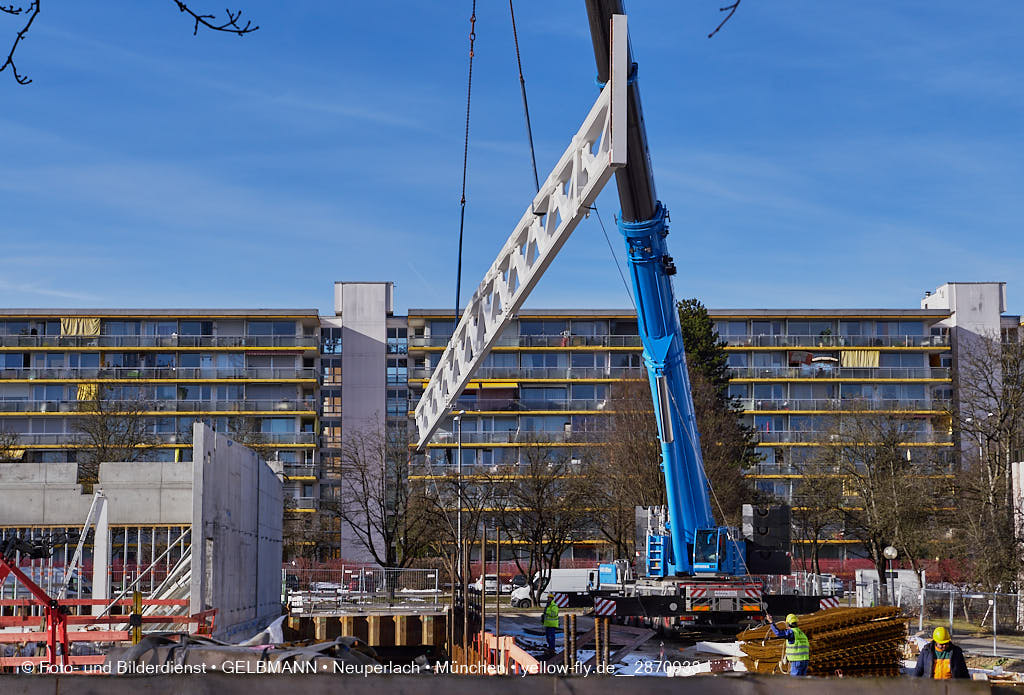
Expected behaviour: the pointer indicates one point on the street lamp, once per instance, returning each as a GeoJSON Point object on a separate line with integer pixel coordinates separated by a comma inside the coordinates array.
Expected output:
{"type": "Point", "coordinates": [890, 554]}
{"type": "Point", "coordinates": [458, 512]}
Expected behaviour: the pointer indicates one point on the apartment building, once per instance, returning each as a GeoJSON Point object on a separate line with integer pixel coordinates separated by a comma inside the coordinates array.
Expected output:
{"type": "Point", "coordinates": [298, 385]}
{"type": "Point", "coordinates": [252, 373]}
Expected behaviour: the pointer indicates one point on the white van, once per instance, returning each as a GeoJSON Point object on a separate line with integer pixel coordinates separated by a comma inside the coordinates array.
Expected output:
{"type": "Point", "coordinates": [575, 581]}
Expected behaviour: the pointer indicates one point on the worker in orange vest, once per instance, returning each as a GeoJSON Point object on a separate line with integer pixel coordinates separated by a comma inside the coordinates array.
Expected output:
{"type": "Point", "coordinates": [941, 659]}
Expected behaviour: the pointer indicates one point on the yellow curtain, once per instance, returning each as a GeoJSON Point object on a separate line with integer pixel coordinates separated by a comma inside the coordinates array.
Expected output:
{"type": "Point", "coordinates": [86, 392]}
{"type": "Point", "coordinates": [858, 358]}
{"type": "Point", "coordinates": [78, 325]}
{"type": "Point", "coordinates": [13, 454]}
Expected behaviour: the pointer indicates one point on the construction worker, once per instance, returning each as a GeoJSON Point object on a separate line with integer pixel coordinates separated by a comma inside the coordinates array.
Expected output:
{"type": "Point", "coordinates": [798, 647]}
{"type": "Point", "coordinates": [550, 622]}
{"type": "Point", "coordinates": [941, 659]}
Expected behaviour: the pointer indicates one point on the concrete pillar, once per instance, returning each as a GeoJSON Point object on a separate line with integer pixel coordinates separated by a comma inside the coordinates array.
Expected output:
{"type": "Point", "coordinates": [101, 555]}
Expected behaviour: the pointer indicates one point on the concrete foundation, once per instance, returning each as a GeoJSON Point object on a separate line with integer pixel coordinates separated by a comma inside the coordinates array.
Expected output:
{"type": "Point", "coordinates": [375, 629]}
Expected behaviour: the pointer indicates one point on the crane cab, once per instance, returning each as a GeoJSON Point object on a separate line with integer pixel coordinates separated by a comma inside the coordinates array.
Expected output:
{"type": "Point", "coordinates": [718, 551]}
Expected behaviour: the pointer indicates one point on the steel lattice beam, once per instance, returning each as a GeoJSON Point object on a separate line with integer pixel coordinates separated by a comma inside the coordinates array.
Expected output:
{"type": "Point", "coordinates": [597, 149]}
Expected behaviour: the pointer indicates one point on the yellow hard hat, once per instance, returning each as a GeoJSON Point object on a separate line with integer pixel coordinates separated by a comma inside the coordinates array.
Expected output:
{"type": "Point", "coordinates": [791, 620]}
{"type": "Point", "coordinates": [941, 635]}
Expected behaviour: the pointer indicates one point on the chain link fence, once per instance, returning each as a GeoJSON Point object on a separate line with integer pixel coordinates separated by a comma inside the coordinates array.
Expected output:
{"type": "Point", "coordinates": [332, 590]}
{"type": "Point", "coordinates": [971, 614]}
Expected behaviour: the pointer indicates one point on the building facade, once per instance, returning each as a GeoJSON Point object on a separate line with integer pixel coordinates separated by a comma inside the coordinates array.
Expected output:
{"type": "Point", "coordinates": [249, 373]}
{"type": "Point", "coordinates": [301, 387]}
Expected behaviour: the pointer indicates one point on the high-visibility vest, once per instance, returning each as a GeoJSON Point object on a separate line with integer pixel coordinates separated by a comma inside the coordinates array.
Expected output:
{"type": "Point", "coordinates": [551, 615]}
{"type": "Point", "coordinates": [800, 648]}
{"type": "Point", "coordinates": [943, 667]}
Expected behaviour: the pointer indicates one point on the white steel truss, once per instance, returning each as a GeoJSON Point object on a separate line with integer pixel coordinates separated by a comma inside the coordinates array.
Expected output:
{"type": "Point", "coordinates": [597, 149]}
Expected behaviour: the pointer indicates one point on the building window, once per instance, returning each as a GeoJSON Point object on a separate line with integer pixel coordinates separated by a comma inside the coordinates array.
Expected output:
{"type": "Point", "coordinates": [398, 341]}
{"type": "Point", "coordinates": [330, 341]}
{"type": "Point", "coordinates": [271, 328]}
{"type": "Point", "coordinates": [332, 371]}
{"type": "Point", "coordinates": [397, 371]}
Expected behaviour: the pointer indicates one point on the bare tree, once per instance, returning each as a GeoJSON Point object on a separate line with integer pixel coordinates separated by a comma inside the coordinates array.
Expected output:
{"type": "Point", "coordinates": [385, 513]}
{"type": "Point", "coordinates": [817, 508]}
{"type": "Point", "coordinates": [441, 495]}
{"type": "Point", "coordinates": [989, 417]}
{"type": "Point", "coordinates": [9, 449]}
{"type": "Point", "coordinates": [627, 466]}
{"type": "Point", "coordinates": [893, 492]}
{"type": "Point", "coordinates": [113, 429]}
{"type": "Point", "coordinates": [230, 23]}
{"type": "Point", "coordinates": [544, 506]}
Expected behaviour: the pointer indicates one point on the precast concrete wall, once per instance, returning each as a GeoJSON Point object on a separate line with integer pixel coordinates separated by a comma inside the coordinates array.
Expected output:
{"type": "Point", "coordinates": [217, 683]}
{"type": "Point", "coordinates": [138, 493]}
{"type": "Point", "coordinates": [236, 534]}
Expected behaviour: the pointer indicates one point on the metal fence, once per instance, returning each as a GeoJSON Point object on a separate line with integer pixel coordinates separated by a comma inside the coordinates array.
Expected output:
{"type": "Point", "coordinates": [325, 590]}
{"type": "Point", "coordinates": [971, 614]}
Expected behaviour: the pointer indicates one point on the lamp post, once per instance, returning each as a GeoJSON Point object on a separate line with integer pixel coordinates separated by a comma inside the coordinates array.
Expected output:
{"type": "Point", "coordinates": [458, 468]}
{"type": "Point", "coordinates": [890, 554]}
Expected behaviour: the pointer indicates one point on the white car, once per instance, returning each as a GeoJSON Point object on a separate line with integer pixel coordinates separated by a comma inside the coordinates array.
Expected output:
{"type": "Point", "coordinates": [489, 583]}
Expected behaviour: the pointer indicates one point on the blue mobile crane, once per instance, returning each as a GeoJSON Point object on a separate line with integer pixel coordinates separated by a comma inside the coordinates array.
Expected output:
{"type": "Point", "coordinates": [696, 570]}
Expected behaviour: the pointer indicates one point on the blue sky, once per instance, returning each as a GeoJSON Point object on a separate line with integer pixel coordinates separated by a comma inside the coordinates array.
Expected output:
{"type": "Point", "coordinates": [812, 154]}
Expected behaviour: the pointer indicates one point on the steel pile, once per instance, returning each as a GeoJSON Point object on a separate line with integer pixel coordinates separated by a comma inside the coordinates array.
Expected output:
{"type": "Point", "coordinates": [843, 642]}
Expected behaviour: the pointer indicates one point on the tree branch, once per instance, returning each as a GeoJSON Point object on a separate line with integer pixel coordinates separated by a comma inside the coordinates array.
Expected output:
{"type": "Point", "coordinates": [731, 9]}
{"type": "Point", "coordinates": [32, 11]}
{"type": "Point", "coordinates": [230, 25]}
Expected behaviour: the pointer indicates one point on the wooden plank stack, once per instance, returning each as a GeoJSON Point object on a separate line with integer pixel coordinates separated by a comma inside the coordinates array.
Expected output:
{"type": "Point", "coordinates": [843, 642]}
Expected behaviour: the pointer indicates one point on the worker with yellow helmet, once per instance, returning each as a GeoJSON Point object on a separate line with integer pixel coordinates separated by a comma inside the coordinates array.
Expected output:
{"type": "Point", "coordinates": [798, 647]}
{"type": "Point", "coordinates": [941, 659]}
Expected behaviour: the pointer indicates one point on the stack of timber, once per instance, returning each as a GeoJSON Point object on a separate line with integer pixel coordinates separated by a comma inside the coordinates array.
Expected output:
{"type": "Point", "coordinates": [843, 642]}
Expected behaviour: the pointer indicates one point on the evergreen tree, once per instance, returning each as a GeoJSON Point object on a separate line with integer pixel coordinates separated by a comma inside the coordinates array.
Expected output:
{"type": "Point", "coordinates": [727, 445]}
{"type": "Point", "coordinates": [705, 352]}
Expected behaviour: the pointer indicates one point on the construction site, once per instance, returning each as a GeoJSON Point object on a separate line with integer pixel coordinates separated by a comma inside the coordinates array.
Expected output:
{"type": "Point", "coordinates": [502, 498]}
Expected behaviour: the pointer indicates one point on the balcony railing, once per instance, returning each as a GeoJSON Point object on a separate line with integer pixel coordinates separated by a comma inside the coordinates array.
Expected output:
{"type": "Point", "coordinates": [545, 373]}
{"type": "Point", "coordinates": [471, 404]}
{"type": "Point", "coordinates": [77, 438]}
{"type": "Point", "coordinates": [169, 373]}
{"type": "Point", "coordinates": [302, 503]}
{"type": "Point", "coordinates": [541, 341]}
{"type": "Point", "coordinates": [804, 436]}
{"type": "Point", "coordinates": [521, 437]}
{"type": "Point", "coordinates": [821, 372]}
{"type": "Point", "coordinates": [281, 405]}
{"type": "Point", "coordinates": [160, 341]}
{"type": "Point", "coordinates": [304, 470]}
{"type": "Point", "coordinates": [845, 404]}
{"type": "Point", "coordinates": [834, 341]}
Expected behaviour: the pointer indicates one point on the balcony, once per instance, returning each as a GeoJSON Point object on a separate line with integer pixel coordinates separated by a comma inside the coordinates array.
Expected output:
{"type": "Point", "coordinates": [521, 437]}
{"type": "Point", "coordinates": [301, 470]}
{"type": "Point", "coordinates": [825, 372]}
{"type": "Point", "coordinates": [471, 404]}
{"type": "Point", "coordinates": [845, 405]}
{"type": "Point", "coordinates": [275, 405]}
{"type": "Point", "coordinates": [79, 439]}
{"type": "Point", "coordinates": [566, 373]}
{"type": "Point", "coordinates": [550, 341]}
{"type": "Point", "coordinates": [308, 342]}
{"type": "Point", "coordinates": [816, 437]}
{"type": "Point", "coordinates": [164, 373]}
{"type": "Point", "coordinates": [296, 503]}
{"type": "Point", "coordinates": [834, 341]}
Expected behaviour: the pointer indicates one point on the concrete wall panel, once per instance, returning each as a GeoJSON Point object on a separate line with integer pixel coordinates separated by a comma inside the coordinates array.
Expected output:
{"type": "Point", "coordinates": [236, 543]}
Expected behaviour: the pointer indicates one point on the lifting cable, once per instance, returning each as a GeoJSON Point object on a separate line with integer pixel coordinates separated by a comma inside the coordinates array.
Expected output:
{"type": "Point", "coordinates": [522, 88]}
{"type": "Point", "coordinates": [465, 159]}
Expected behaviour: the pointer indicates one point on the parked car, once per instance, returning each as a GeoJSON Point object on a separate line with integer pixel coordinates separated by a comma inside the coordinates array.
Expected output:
{"type": "Point", "coordinates": [568, 581]}
{"type": "Point", "coordinates": [490, 584]}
